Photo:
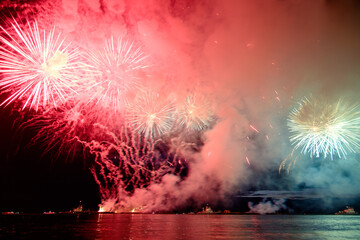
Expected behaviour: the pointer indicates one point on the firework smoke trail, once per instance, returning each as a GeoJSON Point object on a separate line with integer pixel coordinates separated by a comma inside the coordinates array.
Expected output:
{"type": "Point", "coordinates": [196, 114]}
{"type": "Point", "coordinates": [322, 128]}
{"type": "Point", "coordinates": [37, 66]}
{"type": "Point", "coordinates": [151, 116]}
{"type": "Point", "coordinates": [119, 70]}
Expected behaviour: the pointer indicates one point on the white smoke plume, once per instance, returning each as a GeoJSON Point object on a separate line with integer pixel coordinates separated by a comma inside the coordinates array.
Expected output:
{"type": "Point", "coordinates": [267, 206]}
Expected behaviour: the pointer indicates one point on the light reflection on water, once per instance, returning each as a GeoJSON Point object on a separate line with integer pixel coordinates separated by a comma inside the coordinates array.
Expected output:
{"type": "Point", "coordinates": [172, 226]}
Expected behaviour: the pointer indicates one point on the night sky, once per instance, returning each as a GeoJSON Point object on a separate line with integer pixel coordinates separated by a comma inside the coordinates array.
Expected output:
{"type": "Point", "coordinates": [252, 60]}
{"type": "Point", "coordinates": [32, 181]}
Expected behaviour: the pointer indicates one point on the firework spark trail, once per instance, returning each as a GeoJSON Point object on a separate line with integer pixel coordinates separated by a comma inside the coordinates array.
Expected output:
{"type": "Point", "coordinates": [118, 68]}
{"type": "Point", "coordinates": [291, 160]}
{"type": "Point", "coordinates": [123, 159]}
{"type": "Point", "coordinates": [37, 67]}
{"type": "Point", "coordinates": [247, 160]}
{"type": "Point", "coordinates": [151, 116]}
{"type": "Point", "coordinates": [64, 127]}
{"type": "Point", "coordinates": [253, 128]}
{"type": "Point", "coordinates": [196, 114]}
{"type": "Point", "coordinates": [128, 162]}
{"type": "Point", "coordinates": [320, 128]}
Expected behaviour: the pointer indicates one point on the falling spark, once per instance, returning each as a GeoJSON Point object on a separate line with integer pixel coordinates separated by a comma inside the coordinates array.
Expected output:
{"type": "Point", "coordinates": [253, 128]}
{"type": "Point", "coordinates": [247, 160]}
{"type": "Point", "coordinates": [290, 160]}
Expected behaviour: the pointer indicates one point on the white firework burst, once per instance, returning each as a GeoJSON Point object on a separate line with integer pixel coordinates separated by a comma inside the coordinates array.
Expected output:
{"type": "Point", "coordinates": [37, 66]}
{"type": "Point", "coordinates": [151, 115]}
{"type": "Point", "coordinates": [322, 128]}
{"type": "Point", "coordinates": [196, 113]}
{"type": "Point", "coordinates": [119, 70]}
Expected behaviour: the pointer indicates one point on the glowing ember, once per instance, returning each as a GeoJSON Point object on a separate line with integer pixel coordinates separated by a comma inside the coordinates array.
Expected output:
{"type": "Point", "coordinates": [253, 128]}
{"type": "Point", "coordinates": [247, 160]}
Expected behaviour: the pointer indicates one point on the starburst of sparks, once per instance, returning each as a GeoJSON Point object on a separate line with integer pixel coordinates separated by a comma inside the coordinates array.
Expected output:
{"type": "Point", "coordinates": [119, 70]}
{"type": "Point", "coordinates": [321, 128]}
{"type": "Point", "coordinates": [196, 113]}
{"type": "Point", "coordinates": [151, 115]}
{"type": "Point", "coordinates": [37, 66]}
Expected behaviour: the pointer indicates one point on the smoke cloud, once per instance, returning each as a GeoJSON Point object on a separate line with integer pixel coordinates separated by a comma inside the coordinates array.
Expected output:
{"type": "Point", "coordinates": [267, 206]}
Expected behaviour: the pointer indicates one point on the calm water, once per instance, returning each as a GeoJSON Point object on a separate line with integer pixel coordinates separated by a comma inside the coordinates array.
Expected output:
{"type": "Point", "coordinates": [171, 226]}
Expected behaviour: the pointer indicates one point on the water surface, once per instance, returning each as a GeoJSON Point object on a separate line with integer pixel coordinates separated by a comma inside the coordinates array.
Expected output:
{"type": "Point", "coordinates": [181, 226]}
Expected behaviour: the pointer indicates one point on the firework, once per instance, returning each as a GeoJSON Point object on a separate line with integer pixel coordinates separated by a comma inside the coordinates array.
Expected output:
{"type": "Point", "coordinates": [151, 115]}
{"type": "Point", "coordinates": [38, 68]}
{"type": "Point", "coordinates": [119, 67]}
{"type": "Point", "coordinates": [319, 128]}
{"type": "Point", "coordinates": [196, 113]}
